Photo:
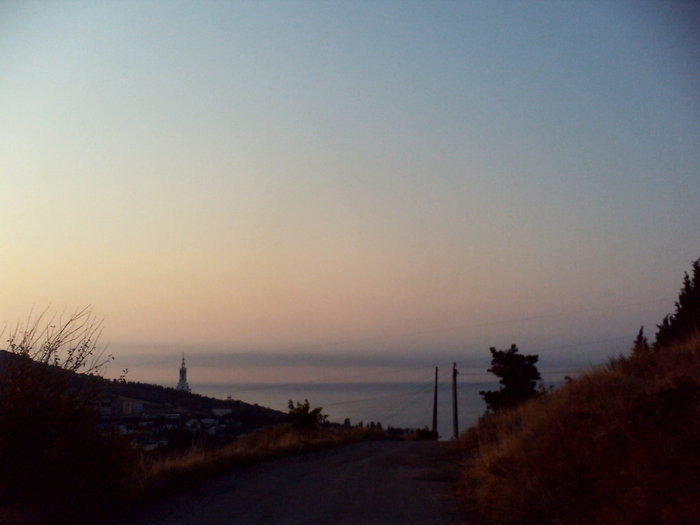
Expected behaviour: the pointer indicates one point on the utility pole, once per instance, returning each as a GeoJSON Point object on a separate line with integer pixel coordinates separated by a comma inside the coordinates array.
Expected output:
{"type": "Point", "coordinates": [435, 432]}
{"type": "Point", "coordinates": [454, 400]}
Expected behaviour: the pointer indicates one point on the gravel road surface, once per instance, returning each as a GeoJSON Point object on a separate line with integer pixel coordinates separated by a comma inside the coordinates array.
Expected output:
{"type": "Point", "coordinates": [380, 482]}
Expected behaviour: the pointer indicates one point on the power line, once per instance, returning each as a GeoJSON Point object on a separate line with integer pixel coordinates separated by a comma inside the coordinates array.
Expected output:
{"type": "Point", "coordinates": [375, 398]}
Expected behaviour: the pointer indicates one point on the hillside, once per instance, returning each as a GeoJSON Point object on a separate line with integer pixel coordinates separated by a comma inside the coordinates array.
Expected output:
{"type": "Point", "coordinates": [159, 399]}
{"type": "Point", "coordinates": [255, 415]}
{"type": "Point", "coordinates": [619, 444]}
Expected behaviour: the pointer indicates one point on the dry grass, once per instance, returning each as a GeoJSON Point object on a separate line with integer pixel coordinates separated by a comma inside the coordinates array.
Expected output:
{"type": "Point", "coordinates": [184, 470]}
{"type": "Point", "coordinates": [619, 444]}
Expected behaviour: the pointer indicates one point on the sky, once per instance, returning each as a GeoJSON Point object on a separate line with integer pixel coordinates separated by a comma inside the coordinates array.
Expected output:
{"type": "Point", "coordinates": [338, 184]}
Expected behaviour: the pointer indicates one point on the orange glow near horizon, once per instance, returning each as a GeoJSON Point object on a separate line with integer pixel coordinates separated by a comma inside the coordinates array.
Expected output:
{"type": "Point", "coordinates": [426, 186]}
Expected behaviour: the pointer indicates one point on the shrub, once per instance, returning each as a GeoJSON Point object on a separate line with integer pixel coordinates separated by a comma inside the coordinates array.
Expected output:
{"type": "Point", "coordinates": [55, 460]}
{"type": "Point", "coordinates": [303, 418]}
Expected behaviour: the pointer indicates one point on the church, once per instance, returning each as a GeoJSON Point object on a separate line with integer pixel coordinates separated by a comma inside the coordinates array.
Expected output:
{"type": "Point", "coordinates": [182, 383]}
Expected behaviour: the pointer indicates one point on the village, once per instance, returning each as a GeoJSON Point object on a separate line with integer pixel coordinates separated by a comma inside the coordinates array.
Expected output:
{"type": "Point", "coordinates": [156, 418]}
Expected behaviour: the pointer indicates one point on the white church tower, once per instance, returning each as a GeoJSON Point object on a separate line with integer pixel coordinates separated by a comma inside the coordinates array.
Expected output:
{"type": "Point", "coordinates": [182, 383]}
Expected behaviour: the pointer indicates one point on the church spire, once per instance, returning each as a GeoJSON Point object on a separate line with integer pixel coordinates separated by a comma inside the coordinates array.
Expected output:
{"type": "Point", "coordinates": [182, 383]}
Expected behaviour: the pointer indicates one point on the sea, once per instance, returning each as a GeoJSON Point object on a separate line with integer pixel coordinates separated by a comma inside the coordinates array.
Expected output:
{"type": "Point", "coordinates": [400, 404]}
{"type": "Point", "coordinates": [345, 387]}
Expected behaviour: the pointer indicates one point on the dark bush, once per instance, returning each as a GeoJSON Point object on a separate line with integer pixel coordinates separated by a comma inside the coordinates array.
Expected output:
{"type": "Point", "coordinates": [519, 377]}
{"type": "Point", "coordinates": [303, 418]}
{"type": "Point", "coordinates": [56, 463]}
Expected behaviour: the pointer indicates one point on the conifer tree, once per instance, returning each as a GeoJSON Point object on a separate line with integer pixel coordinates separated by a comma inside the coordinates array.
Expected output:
{"type": "Point", "coordinates": [641, 344]}
{"type": "Point", "coordinates": [519, 377]}
{"type": "Point", "coordinates": [685, 321]}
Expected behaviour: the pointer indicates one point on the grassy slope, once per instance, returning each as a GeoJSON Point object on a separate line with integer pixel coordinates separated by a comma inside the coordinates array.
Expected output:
{"type": "Point", "coordinates": [619, 444]}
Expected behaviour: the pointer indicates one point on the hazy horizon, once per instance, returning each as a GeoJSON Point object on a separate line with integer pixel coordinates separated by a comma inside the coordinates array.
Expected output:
{"type": "Point", "coordinates": [284, 189]}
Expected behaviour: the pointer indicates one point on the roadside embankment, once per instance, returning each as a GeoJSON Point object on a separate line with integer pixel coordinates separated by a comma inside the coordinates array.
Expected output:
{"type": "Point", "coordinates": [619, 444]}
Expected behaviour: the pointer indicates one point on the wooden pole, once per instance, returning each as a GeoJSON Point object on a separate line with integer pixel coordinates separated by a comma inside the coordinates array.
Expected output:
{"type": "Point", "coordinates": [435, 405]}
{"type": "Point", "coordinates": [454, 400]}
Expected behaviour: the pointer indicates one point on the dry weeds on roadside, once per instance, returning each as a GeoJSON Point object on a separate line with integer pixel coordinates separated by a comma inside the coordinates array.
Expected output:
{"type": "Point", "coordinates": [619, 444]}
{"type": "Point", "coordinates": [195, 465]}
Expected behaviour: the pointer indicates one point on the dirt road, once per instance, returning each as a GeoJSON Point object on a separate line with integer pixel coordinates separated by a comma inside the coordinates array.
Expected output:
{"type": "Point", "coordinates": [382, 482]}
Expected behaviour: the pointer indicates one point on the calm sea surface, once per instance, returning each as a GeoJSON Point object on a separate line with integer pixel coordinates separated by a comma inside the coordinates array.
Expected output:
{"type": "Point", "coordinates": [407, 405]}
{"type": "Point", "coordinates": [342, 387]}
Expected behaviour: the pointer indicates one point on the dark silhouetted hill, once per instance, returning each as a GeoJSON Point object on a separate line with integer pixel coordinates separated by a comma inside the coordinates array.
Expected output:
{"type": "Point", "coordinates": [163, 399]}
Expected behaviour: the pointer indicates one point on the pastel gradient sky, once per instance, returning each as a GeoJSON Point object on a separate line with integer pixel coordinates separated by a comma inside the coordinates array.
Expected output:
{"type": "Point", "coordinates": [347, 178]}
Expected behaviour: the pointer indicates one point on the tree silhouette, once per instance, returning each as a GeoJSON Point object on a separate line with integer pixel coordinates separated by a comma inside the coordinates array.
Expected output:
{"type": "Point", "coordinates": [304, 418]}
{"type": "Point", "coordinates": [519, 377]}
{"type": "Point", "coordinates": [641, 345]}
{"type": "Point", "coordinates": [685, 321]}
